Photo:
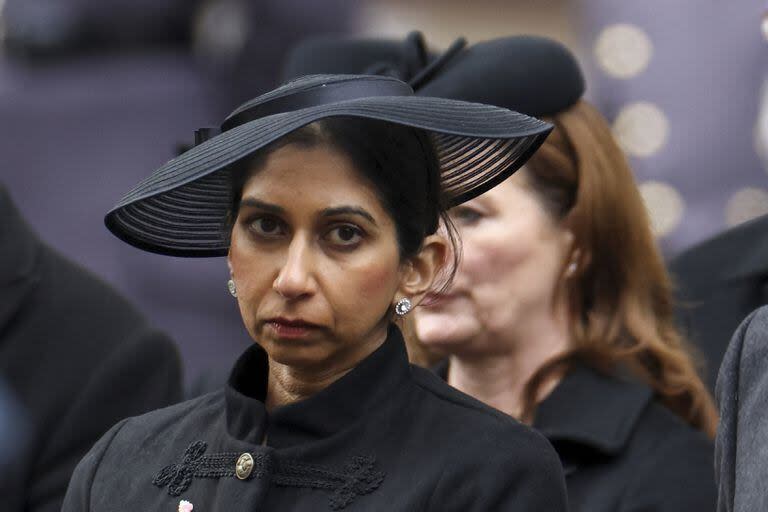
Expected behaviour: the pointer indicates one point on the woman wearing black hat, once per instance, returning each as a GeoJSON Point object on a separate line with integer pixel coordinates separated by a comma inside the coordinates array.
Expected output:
{"type": "Point", "coordinates": [325, 196]}
{"type": "Point", "coordinates": [560, 313]}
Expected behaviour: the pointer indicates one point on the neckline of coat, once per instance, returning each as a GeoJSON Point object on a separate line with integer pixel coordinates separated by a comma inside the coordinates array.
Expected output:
{"type": "Point", "coordinates": [339, 406]}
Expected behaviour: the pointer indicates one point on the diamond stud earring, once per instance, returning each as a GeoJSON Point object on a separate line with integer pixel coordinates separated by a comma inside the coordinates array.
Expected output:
{"type": "Point", "coordinates": [232, 287]}
{"type": "Point", "coordinates": [403, 306]}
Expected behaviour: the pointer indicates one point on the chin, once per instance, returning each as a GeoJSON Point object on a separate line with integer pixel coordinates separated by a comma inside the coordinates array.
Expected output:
{"type": "Point", "coordinates": [445, 335]}
{"type": "Point", "coordinates": [298, 357]}
{"type": "Point", "coordinates": [295, 353]}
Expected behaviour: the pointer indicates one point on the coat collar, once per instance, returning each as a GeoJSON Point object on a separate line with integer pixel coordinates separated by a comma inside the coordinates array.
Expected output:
{"type": "Point", "coordinates": [588, 408]}
{"type": "Point", "coordinates": [19, 258]}
{"type": "Point", "coordinates": [341, 404]}
{"type": "Point", "coordinates": [594, 410]}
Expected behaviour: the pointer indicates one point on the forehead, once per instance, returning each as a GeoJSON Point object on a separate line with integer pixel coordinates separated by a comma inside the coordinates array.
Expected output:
{"type": "Point", "coordinates": [504, 194]}
{"type": "Point", "coordinates": [315, 177]}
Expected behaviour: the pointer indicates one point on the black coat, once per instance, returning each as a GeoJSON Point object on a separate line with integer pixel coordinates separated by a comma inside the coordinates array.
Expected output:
{"type": "Point", "coordinates": [385, 437]}
{"type": "Point", "coordinates": [622, 451]}
{"type": "Point", "coordinates": [721, 281]}
{"type": "Point", "coordinates": [76, 356]}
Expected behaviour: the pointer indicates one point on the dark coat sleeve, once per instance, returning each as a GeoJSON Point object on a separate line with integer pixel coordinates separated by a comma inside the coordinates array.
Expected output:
{"type": "Point", "coordinates": [78, 497]}
{"type": "Point", "coordinates": [140, 375]}
{"type": "Point", "coordinates": [77, 358]}
{"type": "Point", "coordinates": [741, 445]}
{"type": "Point", "coordinates": [676, 475]}
{"type": "Point", "coordinates": [483, 477]}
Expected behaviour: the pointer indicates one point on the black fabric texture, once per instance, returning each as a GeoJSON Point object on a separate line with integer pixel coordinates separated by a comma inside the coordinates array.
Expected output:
{"type": "Point", "coordinates": [345, 55]}
{"type": "Point", "coordinates": [385, 437]}
{"type": "Point", "coordinates": [529, 74]}
{"type": "Point", "coordinates": [622, 451]}
{"type": "Point", "coordinates": [78, 358]}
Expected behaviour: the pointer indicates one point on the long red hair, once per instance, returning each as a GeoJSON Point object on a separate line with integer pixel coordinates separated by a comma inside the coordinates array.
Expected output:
{"type": "Point", "coordinates": [620, 299]}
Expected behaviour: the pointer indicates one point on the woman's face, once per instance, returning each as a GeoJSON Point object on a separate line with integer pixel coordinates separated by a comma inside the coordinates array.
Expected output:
{"type": "Point", "coordinates": [315, 259]}
{"type": "Point", "coordinates": [512, 260]}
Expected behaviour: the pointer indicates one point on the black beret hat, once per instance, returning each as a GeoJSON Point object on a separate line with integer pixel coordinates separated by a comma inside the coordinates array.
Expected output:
{"type": "Point", "coordinates": [533, 75]}
{"type": "Point", "coordinates": [530, 74]}
{"type": "Point", "coordinates": [318, 55]}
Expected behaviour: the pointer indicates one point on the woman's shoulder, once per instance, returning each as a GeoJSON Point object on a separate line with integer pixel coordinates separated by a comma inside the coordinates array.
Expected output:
{"type": "Point", "coordinates": [673, 463]}
{"type": "Point", "coordinates": [442, 396]}
{"type": "Point", "coordinates": [509, 463]}
{"type": "Point", "coordinates": [660, 427]}
{"type": "Point", "coordinates": [133, 447]}
{"type": "Point", "coordinates": [669, 444]}
{"type": "Point", "coordinates": [184, 415]}
{"type": "Point", "coordinates": [477, 424]}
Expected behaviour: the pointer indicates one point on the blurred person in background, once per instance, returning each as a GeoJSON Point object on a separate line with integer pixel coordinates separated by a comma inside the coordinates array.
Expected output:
{"type": "Point", "coordinates": [77, 358]}
{"type": "Point", "coordinates": [561, 312]}
{"type": "Point", "coordinates": [325, 196]}
{"type": "Point", "coordinates": [720, 282]}
{"type": "Point", "coordinates": [723, 278]}
{"type": "Point", "coordinates": [13, 431]}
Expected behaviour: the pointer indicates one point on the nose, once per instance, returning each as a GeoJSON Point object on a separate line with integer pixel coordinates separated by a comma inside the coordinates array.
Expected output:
{"type": "Point", "coordinates": [295, 278]}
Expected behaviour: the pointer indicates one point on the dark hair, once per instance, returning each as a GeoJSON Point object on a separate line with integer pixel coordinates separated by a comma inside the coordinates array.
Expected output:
{"type": "Point", "coordinates": [400, 162]}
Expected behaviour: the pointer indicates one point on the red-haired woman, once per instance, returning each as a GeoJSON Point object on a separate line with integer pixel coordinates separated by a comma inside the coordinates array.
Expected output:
{"type": "Point", "coordinates": [561, 311]}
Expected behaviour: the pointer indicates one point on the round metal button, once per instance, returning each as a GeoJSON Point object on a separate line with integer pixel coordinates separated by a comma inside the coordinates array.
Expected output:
{"type": "Point", "coordinates": [244, 466]}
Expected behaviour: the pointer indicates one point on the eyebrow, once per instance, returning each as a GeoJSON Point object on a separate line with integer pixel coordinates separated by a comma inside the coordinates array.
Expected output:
{"type": "Point", "coordinates": [348, 210]}
{"type": "Point", "coordinates": [328, 212]}
{"type": "Point", "coordinates": [261, 205]}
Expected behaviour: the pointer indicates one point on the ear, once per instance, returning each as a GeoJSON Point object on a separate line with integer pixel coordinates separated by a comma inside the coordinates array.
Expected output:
{"type": "Point", "coordinates": [574, 254]}
{"type": "Point", "coordinates": [229, 263]}
{"type": "Point", "coordinates": [419, 272]}
{"type": "Point", "coordinates": [573, 248]}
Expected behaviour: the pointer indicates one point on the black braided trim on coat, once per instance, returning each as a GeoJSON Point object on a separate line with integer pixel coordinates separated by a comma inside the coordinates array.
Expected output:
{"type": "Point", "coordinates": [356, 478]}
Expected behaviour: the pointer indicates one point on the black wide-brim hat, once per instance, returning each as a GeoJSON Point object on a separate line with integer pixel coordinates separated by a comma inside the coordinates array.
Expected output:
{"type": "Point", "coordinates": [182, 208]}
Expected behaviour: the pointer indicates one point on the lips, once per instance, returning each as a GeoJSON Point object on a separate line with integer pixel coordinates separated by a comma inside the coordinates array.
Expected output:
{"type": "Point", "coordinates": [291, 328]}
{"type": "Point", "coordinates": [291, 322]}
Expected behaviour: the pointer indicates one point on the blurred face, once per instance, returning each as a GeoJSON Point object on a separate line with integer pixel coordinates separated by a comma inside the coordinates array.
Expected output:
{"type": "Point", "coordinates": [512, 260]}
{"type": "Point", "coordinates": [315, 259]}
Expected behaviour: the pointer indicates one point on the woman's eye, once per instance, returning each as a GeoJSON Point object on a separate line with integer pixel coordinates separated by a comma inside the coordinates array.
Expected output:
{"type": "Point", "coordinates": [344, 235]}
{"type": "Point", "coordinates": [465, 215]}
{"type": "Point", "coordinates": [266, 226]}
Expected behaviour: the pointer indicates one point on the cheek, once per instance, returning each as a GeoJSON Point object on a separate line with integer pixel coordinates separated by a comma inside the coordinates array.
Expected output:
{"type": "Point", "coordinates": [502, 276]}
{"type": "Point", "coordinates": [371, 284]}
{"type": "Point", "coordinates": [372, 279]}
{"type": "Point", "coordinates": [489, 260]}
{"type": "Point", "coordinates": [254, 275]}
{"type": "Point", "coordinates": [244, 265]}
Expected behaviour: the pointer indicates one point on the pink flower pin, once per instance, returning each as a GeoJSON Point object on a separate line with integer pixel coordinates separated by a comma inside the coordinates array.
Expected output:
{"type": "Point", "coordinates": [185, 506]}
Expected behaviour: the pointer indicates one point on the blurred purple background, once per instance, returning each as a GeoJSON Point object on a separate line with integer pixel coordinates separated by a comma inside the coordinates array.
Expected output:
{"type": "Point", "coordinates": [96, 95]}
{"type": "Point", "coordinates": [87, 116]}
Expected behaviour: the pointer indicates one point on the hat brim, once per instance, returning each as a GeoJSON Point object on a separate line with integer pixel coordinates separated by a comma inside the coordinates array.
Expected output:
{"type": "Point", "coordinates": [182, 208]}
